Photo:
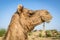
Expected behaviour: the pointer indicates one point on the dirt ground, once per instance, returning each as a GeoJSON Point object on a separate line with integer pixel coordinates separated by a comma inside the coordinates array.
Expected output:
{"type": "Point", "coordinates": [43, 39]}
{"type": "Point", "coordinates": [38, 38]}
{"type": "Point", "coordinates": [0, 38]}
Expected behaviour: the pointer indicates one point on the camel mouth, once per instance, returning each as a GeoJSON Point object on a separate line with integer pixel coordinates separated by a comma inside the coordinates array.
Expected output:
{"type": "Point", "coordinates": [48, 21]}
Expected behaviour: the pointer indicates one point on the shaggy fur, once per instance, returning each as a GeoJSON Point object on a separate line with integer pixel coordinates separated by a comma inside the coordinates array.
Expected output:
{"type": "Point", "coordinates": [23, 21]}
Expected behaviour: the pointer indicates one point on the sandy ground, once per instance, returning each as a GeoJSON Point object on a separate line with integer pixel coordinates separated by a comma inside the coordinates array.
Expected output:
{"type": "Point", "coordinates": [38, 38]}
{"type": "Point", "coordinates": [43, 39]}
{"type": "Point", "coordinates": [0, 38]}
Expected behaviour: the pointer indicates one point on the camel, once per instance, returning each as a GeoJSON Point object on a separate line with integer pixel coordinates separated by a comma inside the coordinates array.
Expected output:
{"type": "Point", "coordinates": [25, 20]}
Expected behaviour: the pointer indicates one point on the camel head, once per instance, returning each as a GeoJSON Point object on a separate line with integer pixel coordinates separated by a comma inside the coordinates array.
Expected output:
{"type": "Point", "coordinates": [30, 18]}
{"type": "Point", "coordinates": [45, 15]}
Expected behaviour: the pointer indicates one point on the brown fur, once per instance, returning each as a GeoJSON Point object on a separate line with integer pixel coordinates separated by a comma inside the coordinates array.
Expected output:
{"type": "Point", "coordinates": [23, 21]}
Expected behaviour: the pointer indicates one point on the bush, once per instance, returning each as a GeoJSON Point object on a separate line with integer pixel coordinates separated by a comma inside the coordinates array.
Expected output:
{"type": "Point", "coordinates": [48, 33]}
{"type": "Point", "coordinates": [2, 32]}
{"type": "Point", "coordinates": [30, 33]}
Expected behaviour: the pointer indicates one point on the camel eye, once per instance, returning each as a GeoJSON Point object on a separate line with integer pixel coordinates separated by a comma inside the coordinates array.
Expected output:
{"type": "Point", "coordinates": [30, 14]}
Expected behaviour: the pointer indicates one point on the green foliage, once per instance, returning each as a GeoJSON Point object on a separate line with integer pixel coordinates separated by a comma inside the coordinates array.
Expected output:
{"type": "Point", "coordinates": [55, 31]}
{"type": "Point", "coordinates": [48, 33]}
{"type": "Point", "coordinates": [2, 32]}
{"type": "Point", "coordinates": [30, 33]}
{"type": "Point", "coordinates": [52, 33]}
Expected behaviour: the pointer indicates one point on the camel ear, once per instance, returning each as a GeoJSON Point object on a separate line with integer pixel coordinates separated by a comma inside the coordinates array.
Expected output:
{"type": "Point", "coordinates": [20, 7]}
